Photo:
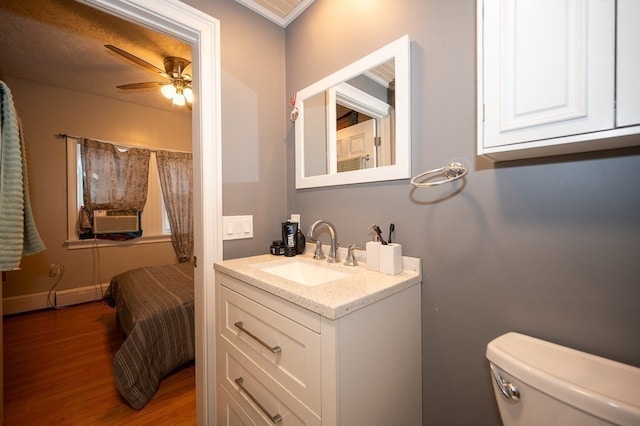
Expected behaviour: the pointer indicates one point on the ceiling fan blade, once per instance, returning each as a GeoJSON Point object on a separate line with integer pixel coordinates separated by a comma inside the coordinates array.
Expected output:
{"type": "Point", "coordinates": [136, 60]}
{"type": "Point", "coordinates": [147, 85]}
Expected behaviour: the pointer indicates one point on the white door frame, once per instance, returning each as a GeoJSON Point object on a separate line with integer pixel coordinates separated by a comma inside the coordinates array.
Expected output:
{"type": "Point", "coordinates": [202, 31]}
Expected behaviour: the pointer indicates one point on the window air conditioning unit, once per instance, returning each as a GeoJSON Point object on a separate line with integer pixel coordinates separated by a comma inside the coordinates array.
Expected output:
{"type": "Point", "coordinates": [115, 221]}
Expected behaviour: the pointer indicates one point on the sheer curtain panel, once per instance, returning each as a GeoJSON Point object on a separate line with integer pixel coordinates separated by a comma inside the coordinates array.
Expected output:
{"type": "Point", "coordinates": [114, 178]}
{"type": "Point", "coordinates": [176, 180]}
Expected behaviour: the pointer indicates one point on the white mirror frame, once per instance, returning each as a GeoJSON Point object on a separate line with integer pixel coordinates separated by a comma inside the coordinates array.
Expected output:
{"type": "Point", "coordinates": [400, 50]}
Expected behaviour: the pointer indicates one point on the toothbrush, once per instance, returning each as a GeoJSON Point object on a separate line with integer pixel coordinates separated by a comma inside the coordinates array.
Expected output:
{"type": "Point", "coordinates": [378, 232]}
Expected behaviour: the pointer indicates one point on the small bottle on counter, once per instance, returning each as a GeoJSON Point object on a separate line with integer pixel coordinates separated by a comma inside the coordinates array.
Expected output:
{"type": "Point", "coordinates": [277, 248]}
{"type": "Point", "coordinates": [289, 230]}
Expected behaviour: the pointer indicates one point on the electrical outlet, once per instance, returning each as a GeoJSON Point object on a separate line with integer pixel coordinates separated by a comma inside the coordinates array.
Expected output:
{"type": "Point", "coordinates": [55, 269]}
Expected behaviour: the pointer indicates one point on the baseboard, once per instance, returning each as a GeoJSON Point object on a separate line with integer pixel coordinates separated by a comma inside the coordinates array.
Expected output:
{"type": "Point", "coordinates": [26, 303]}
{"type": "Point", "coordinates": [74, 296]}
{"type": "Point", "coordinates": [61, 298]}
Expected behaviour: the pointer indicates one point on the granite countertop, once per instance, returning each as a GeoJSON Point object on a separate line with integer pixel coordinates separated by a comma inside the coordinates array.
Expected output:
{"type": "Point", "coordinates": [333, 299]}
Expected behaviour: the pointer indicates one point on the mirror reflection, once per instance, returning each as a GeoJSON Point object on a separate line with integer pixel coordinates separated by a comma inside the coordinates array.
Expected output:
{"type": "Point", "coordinates": [348, 130]}
{"type": "Point", "coordinates": [365, 115]}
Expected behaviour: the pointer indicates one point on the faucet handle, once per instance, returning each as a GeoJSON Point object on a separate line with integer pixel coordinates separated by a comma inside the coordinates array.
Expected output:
{"type": "Point", "coordinates": [318, 253]}
{"type": "Point", "coordinates": [351, 259]}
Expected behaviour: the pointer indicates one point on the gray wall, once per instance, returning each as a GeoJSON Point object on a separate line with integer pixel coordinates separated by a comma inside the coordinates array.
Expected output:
{"type": "Point", "coordinates": [254, 110]}
{"type": "Point", "coordinates": [547, 247]}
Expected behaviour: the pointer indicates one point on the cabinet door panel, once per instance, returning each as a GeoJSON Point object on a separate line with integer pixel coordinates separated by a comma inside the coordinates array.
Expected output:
{"type": "Point", "coordinates": [628, 56]}
{"type": "Point", "coordinates": [548, 69]}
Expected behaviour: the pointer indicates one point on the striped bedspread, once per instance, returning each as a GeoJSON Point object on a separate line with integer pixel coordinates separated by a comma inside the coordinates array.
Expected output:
{"type": "Point", "coordinates": [155, 307]}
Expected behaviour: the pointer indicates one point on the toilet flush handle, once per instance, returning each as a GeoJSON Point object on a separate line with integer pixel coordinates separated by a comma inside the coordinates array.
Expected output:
{"type": "Point", "coordinates": [507, 389]}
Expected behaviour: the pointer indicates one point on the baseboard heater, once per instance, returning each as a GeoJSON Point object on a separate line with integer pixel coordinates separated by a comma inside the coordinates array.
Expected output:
{"type": "Point", "coordinates": [37, 301]}
{"type": "Point", "coordinates": [74, 296]}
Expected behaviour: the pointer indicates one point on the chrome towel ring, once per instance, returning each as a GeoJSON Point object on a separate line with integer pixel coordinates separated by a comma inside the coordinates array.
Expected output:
{"type": "Point", "coordinates": [451, 172]}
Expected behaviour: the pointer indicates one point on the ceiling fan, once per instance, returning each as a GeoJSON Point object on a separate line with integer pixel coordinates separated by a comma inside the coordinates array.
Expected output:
{"type": "Point", "coordinates": [178, 89]}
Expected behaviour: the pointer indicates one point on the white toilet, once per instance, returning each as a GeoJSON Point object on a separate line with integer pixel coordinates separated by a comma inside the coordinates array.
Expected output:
{"type": "Point", "coordinates": [540, 383]}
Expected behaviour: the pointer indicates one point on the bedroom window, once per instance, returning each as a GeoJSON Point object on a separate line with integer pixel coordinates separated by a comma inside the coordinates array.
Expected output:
{"type": "Point", "coordinates": [154, 217]}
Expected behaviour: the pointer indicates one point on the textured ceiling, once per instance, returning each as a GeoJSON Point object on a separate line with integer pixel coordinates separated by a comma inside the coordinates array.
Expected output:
{"type": "Point", "coordinates": [61, 42]}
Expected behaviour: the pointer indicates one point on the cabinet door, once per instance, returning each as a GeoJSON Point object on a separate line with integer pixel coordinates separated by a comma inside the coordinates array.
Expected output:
{"type": "Point", "coordinates": [628, 63]}
{"type": "Point", "coordinates": [547, 69]}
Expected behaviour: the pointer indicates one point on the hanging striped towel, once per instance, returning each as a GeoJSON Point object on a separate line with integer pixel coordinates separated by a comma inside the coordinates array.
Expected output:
{"type": "Point", "coordinates": [20, 236]}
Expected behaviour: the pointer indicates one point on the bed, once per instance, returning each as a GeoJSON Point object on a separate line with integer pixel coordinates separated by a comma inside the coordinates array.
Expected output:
{"type": "Point", "coordinates": [155, 307]}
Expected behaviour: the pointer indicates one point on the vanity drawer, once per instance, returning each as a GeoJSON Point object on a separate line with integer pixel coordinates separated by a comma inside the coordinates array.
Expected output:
{"type": "Point", "coordinates": [258, 395]}
{"type": "Point", "coordinates": [229, 412]}
{"type": "Point", "coordinates": [284, 349]}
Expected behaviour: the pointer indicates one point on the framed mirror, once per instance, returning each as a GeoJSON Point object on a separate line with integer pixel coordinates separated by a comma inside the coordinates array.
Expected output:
{"type": "Point", "coordinates": [354, 125]}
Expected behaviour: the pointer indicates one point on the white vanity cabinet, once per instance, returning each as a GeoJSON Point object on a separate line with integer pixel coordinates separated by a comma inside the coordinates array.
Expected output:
{"type": "Point", "coordinates": [279, 363]}
{"type": "Point", "coordinates": [557, 76]}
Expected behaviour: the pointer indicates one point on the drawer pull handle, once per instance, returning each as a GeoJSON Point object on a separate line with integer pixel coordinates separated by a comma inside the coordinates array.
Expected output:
{"type": "Point", "coordinates": [276, 419]}
{"type": "Point", "coordinates": [273, 349]}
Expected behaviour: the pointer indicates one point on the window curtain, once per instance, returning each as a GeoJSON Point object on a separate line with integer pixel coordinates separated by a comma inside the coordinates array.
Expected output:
{"type": "Point", "coordinates": [176, 181]}
{"type": "Point", "coordinates": [114, 178]}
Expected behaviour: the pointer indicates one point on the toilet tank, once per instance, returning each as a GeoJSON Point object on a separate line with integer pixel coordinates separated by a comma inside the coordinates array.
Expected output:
{"type": "Point", "coordinates": [556, 385]}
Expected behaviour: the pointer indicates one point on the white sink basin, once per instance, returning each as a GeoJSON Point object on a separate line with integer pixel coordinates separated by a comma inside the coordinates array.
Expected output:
{"type": "Point", "coordinates": [304, 273]}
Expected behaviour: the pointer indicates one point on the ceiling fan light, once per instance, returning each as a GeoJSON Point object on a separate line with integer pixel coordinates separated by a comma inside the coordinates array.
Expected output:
{"type": "Point", "coordinates": [168, 90]}
{"type": "Point", "coordinates": [188, 94]}
{"type": "Point", "coordinates": [178, 99]}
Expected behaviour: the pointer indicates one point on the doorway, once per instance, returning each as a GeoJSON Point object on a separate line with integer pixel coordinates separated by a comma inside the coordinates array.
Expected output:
{"type": "Point", "coordinates": [203, 33]}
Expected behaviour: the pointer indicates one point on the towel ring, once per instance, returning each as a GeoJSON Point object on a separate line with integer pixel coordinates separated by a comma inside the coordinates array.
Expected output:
{"type": "Point", "coordinates": [451, 172]}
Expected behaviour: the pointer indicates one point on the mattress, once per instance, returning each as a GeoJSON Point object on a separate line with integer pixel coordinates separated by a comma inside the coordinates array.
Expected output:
{"type": "Point", "coordinates": [155, 307]}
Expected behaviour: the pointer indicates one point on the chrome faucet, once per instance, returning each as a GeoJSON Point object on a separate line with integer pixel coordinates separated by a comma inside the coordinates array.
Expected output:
{"type": "Point", "coordinates": [333, 251]}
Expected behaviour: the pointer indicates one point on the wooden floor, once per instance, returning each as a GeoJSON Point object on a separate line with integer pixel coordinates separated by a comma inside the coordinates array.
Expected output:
{"type": "Point", "coordinates": [57, 370]}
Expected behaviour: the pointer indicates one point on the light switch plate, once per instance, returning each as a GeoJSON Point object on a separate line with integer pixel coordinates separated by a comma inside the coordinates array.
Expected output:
{"type": "Point", "coordinates": [237, 227]}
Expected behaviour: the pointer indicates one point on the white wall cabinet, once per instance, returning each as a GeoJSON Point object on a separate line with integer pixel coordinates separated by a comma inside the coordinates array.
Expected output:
{"type": "Point", "coordinates": [278, 363]}
{"type": "Point", "coordinates": [557, 76]}
{"type": "Point", "coordinates": [628, 63]}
